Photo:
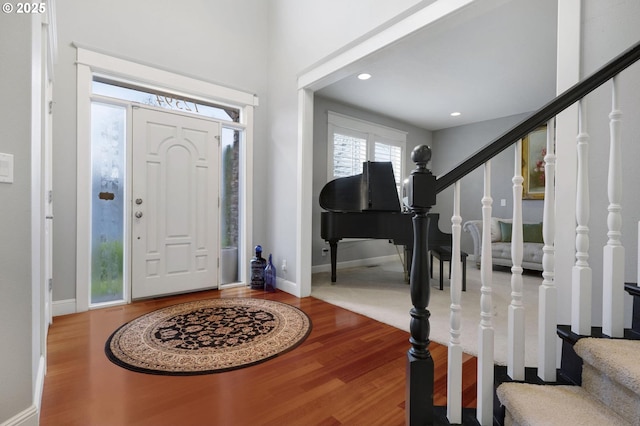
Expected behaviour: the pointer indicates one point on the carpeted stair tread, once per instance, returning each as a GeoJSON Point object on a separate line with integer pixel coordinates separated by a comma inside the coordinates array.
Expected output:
{"type": "Point", "coordinates": [616, 358]}
{"type": "Point", "coordinates": [529, 405]}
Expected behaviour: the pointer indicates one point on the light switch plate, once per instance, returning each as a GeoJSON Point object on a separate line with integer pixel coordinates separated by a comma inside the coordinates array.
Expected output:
{"type": "Point", "coordinates": [6, 168]}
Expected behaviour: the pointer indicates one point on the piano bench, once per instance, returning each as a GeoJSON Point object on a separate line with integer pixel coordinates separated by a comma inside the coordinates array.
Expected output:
{"type": "Point", "coordinates": [443, 254]}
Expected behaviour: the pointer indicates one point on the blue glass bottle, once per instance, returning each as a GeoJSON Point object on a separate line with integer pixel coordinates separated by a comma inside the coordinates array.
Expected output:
{"type": "Point", "coordinates": [258, 264]}
{"type": "Point", "coordinates": [270, 277]}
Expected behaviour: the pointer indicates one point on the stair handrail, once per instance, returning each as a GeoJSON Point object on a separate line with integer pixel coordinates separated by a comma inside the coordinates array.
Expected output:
{"type": "Point", "coordinates": [541, 116]}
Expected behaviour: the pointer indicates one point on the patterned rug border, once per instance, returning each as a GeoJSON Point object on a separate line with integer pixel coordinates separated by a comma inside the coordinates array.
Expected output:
{"type": "Point", "coordinates": [114, 359]}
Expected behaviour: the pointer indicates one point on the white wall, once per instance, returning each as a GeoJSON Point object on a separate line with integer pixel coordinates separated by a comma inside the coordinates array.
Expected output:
{"type": "Point", "coordinates": [16, 350]}
{"type": "Point", "coordinates": [219, 41]}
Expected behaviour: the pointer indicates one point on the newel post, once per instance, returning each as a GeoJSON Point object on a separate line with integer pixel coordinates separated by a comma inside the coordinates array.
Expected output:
{"type": "Point", "coordinates": [421, 196]}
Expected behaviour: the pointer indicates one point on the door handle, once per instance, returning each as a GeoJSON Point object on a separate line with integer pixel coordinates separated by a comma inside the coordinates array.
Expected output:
{"type": "Point", "coordinates": [138, 215]}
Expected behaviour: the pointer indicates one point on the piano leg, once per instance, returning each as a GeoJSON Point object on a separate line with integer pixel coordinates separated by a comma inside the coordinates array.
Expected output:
{"type": "Point", "coordinates": [334, 259]}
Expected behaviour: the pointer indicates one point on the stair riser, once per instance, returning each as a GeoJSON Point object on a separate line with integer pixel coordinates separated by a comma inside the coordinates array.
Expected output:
{"type": "Point", "coordinates": [508, 420]}
{"type": "Point", "coordinates": [615, 396]}
{"type": "Point", "coordinates": [570, 364]}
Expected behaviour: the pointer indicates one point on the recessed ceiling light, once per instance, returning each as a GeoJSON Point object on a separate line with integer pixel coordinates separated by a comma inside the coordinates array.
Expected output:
{"type": "Point", "coordinates": [455, 114]}
{"type": "Point", "coordinates": [364, 76]}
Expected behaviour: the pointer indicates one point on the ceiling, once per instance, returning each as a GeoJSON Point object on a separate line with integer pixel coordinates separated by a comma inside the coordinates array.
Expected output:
{"type": "Point", "coordinates": [488, 65]}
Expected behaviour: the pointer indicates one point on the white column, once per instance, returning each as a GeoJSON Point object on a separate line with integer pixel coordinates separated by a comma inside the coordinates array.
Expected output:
{"type": "Point", "coordinates": [484, 412]}
{"type": "Point", "coordinates": [613, 257]}
{"type": "Point", "coordinates": [515, 348]}
{"type": "Point", "coordinates": [581, 273]}
{"type": "Point", "coordinates": [547, 295]}
{"type": "Point", "coordinates": [567, 74]}
{"type": "Point", "coordinates": [454, 372]}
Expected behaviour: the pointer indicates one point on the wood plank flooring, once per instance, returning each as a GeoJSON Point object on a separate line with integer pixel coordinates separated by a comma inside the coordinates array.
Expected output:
{"type": "Point", "coordinates": [349, 371]}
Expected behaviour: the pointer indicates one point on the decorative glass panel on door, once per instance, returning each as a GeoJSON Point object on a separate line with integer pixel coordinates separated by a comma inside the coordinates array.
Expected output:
{"type": "Point", "coordinates": [108, 131]}
{"type": "Point", "coordinates": [229, 205]}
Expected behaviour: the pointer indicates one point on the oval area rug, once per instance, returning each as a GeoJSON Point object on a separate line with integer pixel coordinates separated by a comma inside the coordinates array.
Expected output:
{"type": "Point", "coordinates": [207, 336]}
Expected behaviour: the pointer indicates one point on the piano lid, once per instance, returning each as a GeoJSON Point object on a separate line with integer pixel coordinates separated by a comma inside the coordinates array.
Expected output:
{"type": "Point", "coordinates": [373, 190]}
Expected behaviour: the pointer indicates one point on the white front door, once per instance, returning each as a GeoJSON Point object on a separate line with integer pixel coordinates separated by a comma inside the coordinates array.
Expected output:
{"type": "Point", "coordinates": [175, 203]}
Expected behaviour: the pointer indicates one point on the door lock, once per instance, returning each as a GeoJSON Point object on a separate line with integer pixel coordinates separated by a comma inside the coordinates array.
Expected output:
{"type": "Point", "coordinates": [138, 201]}
{"type": "Point", "coordinates": [138, 215]}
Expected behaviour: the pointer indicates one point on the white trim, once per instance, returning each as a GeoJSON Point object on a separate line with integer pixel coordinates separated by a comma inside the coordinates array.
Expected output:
{"type": "Point", "coordinates": [83, 187]}
{"type": "Point", "coordinates": [246, 196]}
{"type": "Point", "coordinates": [371, 261]}
{"type": "Point", "coordinates": [151, 75]}
{"type": "Point", "coordinates": [37, 208]}
{"type": "Point", "coordinates": [304, 189]}
{"type": "Point", "coordinates": [64, 307]}
{"type": "Point", "coordinates": [90, 62]}
{"type": "Point", "coordinates": [27, 417]}
{"type": "Point", "coordinates": [353, 123]}
{"type": "Point", "coordinates": [286, 286]}
{"type": "Point", "coordinates": [39, 383]}
{"type": "Point", "coordinates": [50, 21]}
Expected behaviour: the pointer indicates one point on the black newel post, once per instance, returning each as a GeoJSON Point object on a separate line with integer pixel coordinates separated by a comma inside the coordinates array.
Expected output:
{"type": "Point", "coordinates": [421, 196]}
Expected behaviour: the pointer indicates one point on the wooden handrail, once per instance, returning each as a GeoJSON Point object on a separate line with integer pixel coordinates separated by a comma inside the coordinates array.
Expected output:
{"type": "Point", "coordinates": [544, 114]}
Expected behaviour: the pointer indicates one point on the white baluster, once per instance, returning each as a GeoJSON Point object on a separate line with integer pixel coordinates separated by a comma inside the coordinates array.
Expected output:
{"type": "Point", "coordinates": [547, 296]}
{"type": "Point", "coordinates": [581, 273]}
{"type": "Point", "coordinates": [484, 412]}
{"type": "Point", "coordinates": [454, 374]}
{"type": "Point", "coordinates": [515, 351]}
{"type": "Point", "coordinates": [613, 257]}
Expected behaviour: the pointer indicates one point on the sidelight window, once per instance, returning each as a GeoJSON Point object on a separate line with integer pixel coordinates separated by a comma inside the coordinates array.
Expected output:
{"type": "Point", "coordinates": [108, 131]}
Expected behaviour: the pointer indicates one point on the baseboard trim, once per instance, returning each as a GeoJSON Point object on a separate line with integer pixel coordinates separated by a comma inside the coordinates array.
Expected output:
{"type": "Point", "coordinates": [39, 386]}
{"type": "Point", "coordinates": [28, 417]}
{"type": "Point", "coordinates": [355, 263]}
{"type": "Point", "coordinates": [287, 286]}
{"type": "Point", "coordinates": [63, 307]}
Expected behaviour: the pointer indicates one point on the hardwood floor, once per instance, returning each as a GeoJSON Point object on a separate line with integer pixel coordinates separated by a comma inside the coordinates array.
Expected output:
{"type": "Point", "coordinates": [349, 371]}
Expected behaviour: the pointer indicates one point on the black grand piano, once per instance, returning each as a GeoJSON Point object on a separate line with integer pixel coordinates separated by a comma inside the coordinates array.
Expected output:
{"type": "Point", "coordinates": [367, 206]}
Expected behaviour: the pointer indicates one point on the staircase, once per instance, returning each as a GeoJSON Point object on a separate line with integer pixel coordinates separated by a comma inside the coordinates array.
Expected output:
{"type": "Point", "coordinates": [607, 390]}
{"type": "Point", "coordinates": [523, 402]}
{"type": "Point", "coordinates": [609, 394]}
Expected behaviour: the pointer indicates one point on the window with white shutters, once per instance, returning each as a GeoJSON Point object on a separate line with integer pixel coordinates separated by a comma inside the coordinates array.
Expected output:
{"type": "Point", "coordinates": [353, 141]}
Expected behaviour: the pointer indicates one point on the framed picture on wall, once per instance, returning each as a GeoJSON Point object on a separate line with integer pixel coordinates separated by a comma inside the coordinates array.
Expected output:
{"type": "Point", "coordinates": [534, 149]}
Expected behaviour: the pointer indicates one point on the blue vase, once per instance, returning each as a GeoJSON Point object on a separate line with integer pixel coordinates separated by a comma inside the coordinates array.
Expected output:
{"type": "Point", "coordinates": [270, 277]}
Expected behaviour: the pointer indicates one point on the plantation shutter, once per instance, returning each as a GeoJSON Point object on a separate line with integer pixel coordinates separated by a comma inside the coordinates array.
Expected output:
{"type": "Point", "coordinates": [349, 152]}
{"type": "Point", "coordinates": [393, 153]}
